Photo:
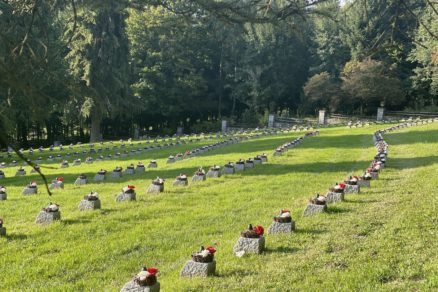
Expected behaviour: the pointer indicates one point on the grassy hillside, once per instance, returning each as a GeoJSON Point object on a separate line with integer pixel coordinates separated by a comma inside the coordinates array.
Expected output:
{"type": "Point", "coordinates": [384, 238]}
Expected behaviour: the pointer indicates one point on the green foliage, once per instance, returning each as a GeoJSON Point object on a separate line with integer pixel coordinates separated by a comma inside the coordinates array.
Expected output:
{"type": "Point", "coordinates": [370, 83]}
{"type": "Point", "coordinates": [323, 91]}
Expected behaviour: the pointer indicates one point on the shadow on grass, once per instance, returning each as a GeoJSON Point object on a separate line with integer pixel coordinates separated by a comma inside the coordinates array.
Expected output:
{"type": "Point", "coordinates": [281, 249]}
{"type": "Point", "coordinates": [309, 231]}
{"type": "Point", "coordinates": [333, 209]}
{"type": "Point", "coordinates": [75, 221]}
{"type": "Point", "coordinates": [360, 201]}
{"type": "Point", "coordinates": [16, 236]}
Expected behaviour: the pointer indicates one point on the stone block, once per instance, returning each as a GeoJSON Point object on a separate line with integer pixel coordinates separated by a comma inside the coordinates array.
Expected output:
{"type": "Point", "coordinates": [152, 165]}
{"type": "Point", "coordinates": [3, 196]}
{"type": "Point", "coordinates": [374, 175]}
{"type": "Point", "coordinates": [313, 209]}
{"type": "Point", "coordinates": [239, 167]}
{"type": "Point", "coordinates": [89, 205]}
{"type": "Point", "coordinates": [213, 173]}
{"type": "Point", "coordinates": [195, 269]}
{"type": "Point", "coordinates": [155, 188]}
{"type": "Point", "coordinates": [228, 170]}
{"type": "Point", "coordinates": [80, 181]}
{"type": "Point", "coordinates": [249, 245]}
{"type": "Point", "coordinates": [180, 183]}
{"type": "Point", "coordinates": [277, 227]}
{"type": "Point", "coordinates": [2, 231]}
{"type": "Point", "coordinates": [199, 177]}
{"type": "Point", "coordinates": [116, 174]}
{"type": "Point", "coordinates": [257, 161]}
{"type": "Point", "coordinates": [132, 286]}
{"type": "Point", "coordinates": [30, 191]}
{"type": "Point", "coordinates": [352, 189]}
{"type": "Point", "coordinates": [129, 171]}
{"type": "Point", "coordinates": [121, 197]}
{"type": "Point", "coordinates": [56, 185]}
{"type": "Point", "coordinates": [140, 169]}
{"type": "Point", "coordinates": [249, 165]}
{"type": "Point", "coordinates": [364, 183]}
{"type": "Point", "coordinates": [47, 217]}
{"type": "Point", "coordinates": [99, 177]}
{"type": "Point", "coordinates": [333, 197]}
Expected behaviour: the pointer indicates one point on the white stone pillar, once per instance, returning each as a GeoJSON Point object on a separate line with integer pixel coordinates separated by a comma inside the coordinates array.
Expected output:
{"type": "Point", "coordinates": [224, 126]}
{"type": "Point", "coordinates": [271, 121]}
{"type": "Point", "coordinates": [380, 113]}
{"type": "Point", "coordinates": [322, 118]}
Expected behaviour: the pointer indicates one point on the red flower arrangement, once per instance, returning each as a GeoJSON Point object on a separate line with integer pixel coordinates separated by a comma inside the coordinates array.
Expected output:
{"type": "Point", "coordinates": [211, 249]}
{"type": "Point", "coordinates": [259, 230]}
{"type": "Point", "coordinates": [152, 271]}
{"type": "Point", "coordinates": [60, 178]}
{"type": "Point", "coordinates": [131, 187]}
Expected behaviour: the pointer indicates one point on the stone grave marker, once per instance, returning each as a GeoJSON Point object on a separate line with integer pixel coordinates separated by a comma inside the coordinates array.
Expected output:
{"type": "Point", "coordinates": [90, 202]}
{"type": "Point", "coordinates": [144, 281]}
{"type": "Point", "coordinates": [202, 264]}
{"type": "Point", "coordinates": [170, 159]}
{"type": "Point", "coordinates": [153, 164]}
{"type": "Point", "coordinates": [100, 175]}
{"type": "Point", "coordinates": [30, 189]}
{"type": "Point", "coordinates": [140, 167]}
{"type": "Point", "coordinates": [157, 186]}
{"type": "Point", "coordinates": [228, 168]}
{"type": "Point", "coordinates": [2, 174]}
{"type": "Point", "coordinates": [130, 169]}
{"type": "Point", "coordinates": [81, 180]}
{"type": "Point", "coordinates": [3, 195]}
{"type": "Point", "coordinates": [250, 241]}
{"type": "Point", "coordinates": [48, 214]}
{"type": "Point", "coordinates": [214, 171]}
{"type": "Point", "coordinates": [77, 162]}
{"type": "Point", "coordinates": [239, 165]}
{"type": "Point", "coordinates": [20, 172]}
{"type": "Point", "coordinates": [117, 172]}
{"type": "Point", "coordinates": [316, 205]}
{"type": "Point", "coordinates": [127, 194]}
{"type": "Point", "coordinates": [199, 175]}
{"type": "Point", "coordinates": [181, 180]}
{"type": "Point", "coordinates": [58, 183]}
{"type": "Point", "coordinates": [282, 223]}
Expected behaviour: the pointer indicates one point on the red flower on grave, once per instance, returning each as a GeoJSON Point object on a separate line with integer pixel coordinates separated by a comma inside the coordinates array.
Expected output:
{"type": "Point", "coordinates": [259, 230]}
{"type": "Point", "coordinates": [211, 249]}
{"type": "Point", "coordinates": [60, 178]}
{"type": "Point", "coordinates": [342, 186]}
{"type": "Point", "coordinates": [285, 211]}
{"type": "Point", "coordinates": [131, 187]}
{"type": "Point", "coordinates": [152, 271]}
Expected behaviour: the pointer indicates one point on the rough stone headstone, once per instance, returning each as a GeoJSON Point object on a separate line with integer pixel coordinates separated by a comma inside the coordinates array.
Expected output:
{"type": "Point", "coordinates": [239, 166]}
{"type": "Point", "coordinates": [196, 269]}
{"type": "Point", "coordinates": [20, 172]}
{"type": "Point", "coordinates": [249, 245]}
{"type": "Point", "coordinates": [132, 286]}
{"type": "Point", "coordinates": [122, 197]}
{"type": "Point", "coordinates": [313, 209]}
{"type": "Point", "coordinates": [249, 164]}
{"type": "Point", "coordinates": [271, 119]}
{"type": "Point", "coordinates": [153, 188]}
{"type": "Point", "coordinates": [152, 164]}
{"type": "Point", "coordinates": [56, 185]}
{"type": "Point", "coordinates": [2, 231]}
{"type": "Point", "coordinates": [89, 204]}
{"type": "Point", "coordinates": [352, 189]}
{"type": "Point", "coordinates": [380, 113]}
{"type": "Point", "coordinates": [80, 181]}
{"type": "Point", "coordinates": [180, 182]}
{"type": "Point", "coordinates": [333, 197]}
{"type": "Point", "coordinates": [374, 175]}
{"type": "Point", "coordinates": [116, 174]}
{"type": "Point", "coordinates": [364, 183]}
{"type": "Point", "coordinates": [3, 196]}
{"type": "Point", "coordinates": [47, 217]}
{"type": "Point", "coordinates": [99, 177]}
{"type": "Point", "coordinates": [140, 169]}
{"type": "Point", "coordinates": [198, 177]}
{"type": "Point", "coordinates": [277, 227]}
{"type": "Point", "coordinates": [322, 119]}
{"type": "Point", "coordinates": [214, 173]}
{"type": "Point", "coordinates": [29, 191]}
{"type": "Point", "coordinates": [228, 170]}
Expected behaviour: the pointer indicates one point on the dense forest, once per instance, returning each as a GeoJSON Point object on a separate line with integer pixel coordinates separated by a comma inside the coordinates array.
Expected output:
{"type": "Point", "coordinates": [82, 69]}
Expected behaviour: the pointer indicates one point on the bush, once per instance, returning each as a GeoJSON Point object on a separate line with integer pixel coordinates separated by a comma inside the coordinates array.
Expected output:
{"type": "Point", "coordinates": [206, 126]}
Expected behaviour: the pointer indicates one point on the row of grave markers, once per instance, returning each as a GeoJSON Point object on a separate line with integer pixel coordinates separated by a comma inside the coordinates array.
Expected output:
{"type": "Point", "coordinates": [252, 239]}
{"type": "Point", "coordinates": [202, 263]}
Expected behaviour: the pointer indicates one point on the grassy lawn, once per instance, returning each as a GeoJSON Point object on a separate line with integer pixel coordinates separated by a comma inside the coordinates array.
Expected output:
{"type": "Point", "coordinates": [382, 239]}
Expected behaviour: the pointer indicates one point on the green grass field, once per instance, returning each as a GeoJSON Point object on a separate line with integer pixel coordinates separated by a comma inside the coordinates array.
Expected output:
{"type": "Point", "coordinates": [382, 239]}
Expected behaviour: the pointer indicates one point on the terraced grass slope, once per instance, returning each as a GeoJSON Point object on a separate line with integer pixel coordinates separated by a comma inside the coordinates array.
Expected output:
{"type": "Point", "coordinates": [384, 238]}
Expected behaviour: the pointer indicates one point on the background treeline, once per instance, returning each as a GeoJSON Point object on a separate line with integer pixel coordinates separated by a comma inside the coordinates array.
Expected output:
{"type": "Point", "coordinates": [80, 69]}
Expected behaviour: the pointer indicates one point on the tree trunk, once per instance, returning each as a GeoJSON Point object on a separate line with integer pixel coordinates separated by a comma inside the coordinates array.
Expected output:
{"type": "Point", "coordinates": [96, 119]}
